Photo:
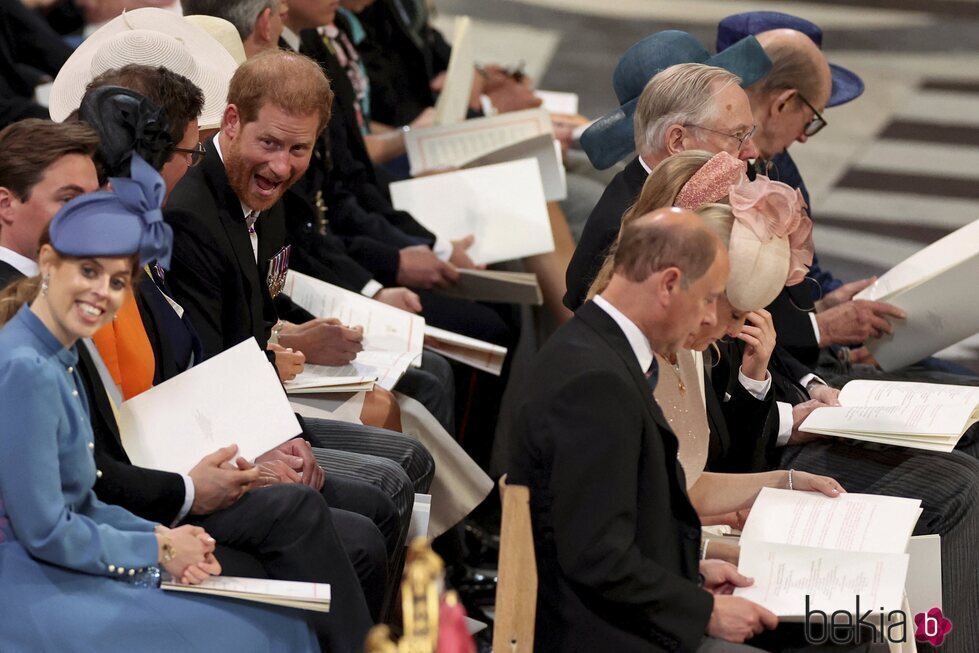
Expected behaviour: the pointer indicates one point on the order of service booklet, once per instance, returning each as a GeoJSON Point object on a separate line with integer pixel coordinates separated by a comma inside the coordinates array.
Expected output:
{"type": "Point", "coordinates": [287, 593]}
{"type": "Point", "coordinates": [808, 550]}
{"type": "Point", "coordinates": [933, 286]}
{"type": "Point", "coordinates": [901, 413]}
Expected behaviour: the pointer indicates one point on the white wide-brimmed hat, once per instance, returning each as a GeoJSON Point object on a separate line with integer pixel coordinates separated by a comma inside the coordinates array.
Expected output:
{"type": "Point", "coordinates": [152, 37]}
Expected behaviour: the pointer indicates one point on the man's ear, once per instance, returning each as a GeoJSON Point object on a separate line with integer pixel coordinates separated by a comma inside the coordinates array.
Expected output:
{"type": "Point", "coordinates": [263, 25]}
{"type": "Point", "coordinates": [669, 284]}
{"type": "Point", "coordinates": [780, 101]}
{"type": "Point", "coordinates": [231, 123]}
{"type": "Point", "coordinates": [674, 138]}
{"type": "Point", "coordinates": [8, 201]}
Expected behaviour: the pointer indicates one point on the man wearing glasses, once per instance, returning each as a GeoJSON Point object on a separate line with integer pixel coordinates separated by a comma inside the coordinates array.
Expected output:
{"type": "Point", "coordinates": [787, 106]}
{"type": "Point", "coordinates": [686, 106]}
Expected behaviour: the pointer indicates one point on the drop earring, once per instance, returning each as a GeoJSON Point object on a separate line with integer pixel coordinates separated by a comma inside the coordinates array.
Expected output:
{"type": "Point", "coordinates": [44, 284]}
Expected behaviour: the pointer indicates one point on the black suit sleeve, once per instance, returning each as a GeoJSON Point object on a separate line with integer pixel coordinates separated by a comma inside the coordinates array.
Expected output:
{"type": "Point", "coordinates": [790, 314]}
{"type": "Point", "coordinates": [148, 493]}
{"type": "Point", "coordinates": [196, 277]}
{"type": "Point", "coordinates": [595, 512]}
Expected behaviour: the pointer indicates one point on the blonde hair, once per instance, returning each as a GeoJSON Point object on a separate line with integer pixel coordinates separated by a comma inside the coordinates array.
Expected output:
{"type": "Point", "coordinates": [18, 293]}
{"type": "Point", "coordinates": [660, 190]}
{"type": "Point", "coordinates": [720, 218]}
{"type": "Point", "coordinates": [680, 94]}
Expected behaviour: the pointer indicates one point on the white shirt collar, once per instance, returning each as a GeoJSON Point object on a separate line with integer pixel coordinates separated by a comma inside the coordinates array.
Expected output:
{"type": "Point", "coordinates": [24, 265]}
{"type": "Point", "coordinates": [291, 38]}
{"type": "Point", "coordinates": [245, 209]}
{"type": "Point", "coordinates": [637, 340]}
{"type": "Point", "coordinates": [645, 166]}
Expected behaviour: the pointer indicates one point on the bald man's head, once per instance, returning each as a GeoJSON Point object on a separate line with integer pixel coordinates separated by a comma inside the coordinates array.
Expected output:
{"type": "Point", "coordinates": [785, 101]}
{"type": "Point", "coordinates": [664, 238]}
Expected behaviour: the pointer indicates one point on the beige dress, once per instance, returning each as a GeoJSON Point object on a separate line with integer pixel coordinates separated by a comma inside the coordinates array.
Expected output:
{"type": "Point", "coordinates": [680, 394]}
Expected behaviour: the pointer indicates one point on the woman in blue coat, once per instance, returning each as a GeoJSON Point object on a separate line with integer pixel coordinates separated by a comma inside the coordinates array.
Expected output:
{"type": "Point", "coordinates": [77, 574]}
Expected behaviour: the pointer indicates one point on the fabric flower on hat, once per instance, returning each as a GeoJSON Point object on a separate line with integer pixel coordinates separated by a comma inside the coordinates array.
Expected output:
{"type": "Point", "coordinates": [771, 209]}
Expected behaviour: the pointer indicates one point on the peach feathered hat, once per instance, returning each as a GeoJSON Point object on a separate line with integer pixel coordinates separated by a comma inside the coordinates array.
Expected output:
{"type": "Point", "coordinates": [771, 239]}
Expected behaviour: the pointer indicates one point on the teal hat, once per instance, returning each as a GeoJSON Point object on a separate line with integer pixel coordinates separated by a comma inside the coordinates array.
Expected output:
{"type": "Point", "coordinates": [611, 138]}
{"type": "Point", "coordinates": [124, 221]}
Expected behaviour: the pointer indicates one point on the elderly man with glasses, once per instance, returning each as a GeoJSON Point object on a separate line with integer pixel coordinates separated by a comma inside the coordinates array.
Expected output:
{"type": "Point", "coordinates": [664, 109]}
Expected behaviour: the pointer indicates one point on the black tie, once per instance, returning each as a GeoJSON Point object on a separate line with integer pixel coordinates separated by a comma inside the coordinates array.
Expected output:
{"type": "Point", "coordinates": [652, 374]}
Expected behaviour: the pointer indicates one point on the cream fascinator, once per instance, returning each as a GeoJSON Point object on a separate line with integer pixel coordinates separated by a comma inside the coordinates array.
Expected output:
{"type": "Point", "coordinates": [771, 237]}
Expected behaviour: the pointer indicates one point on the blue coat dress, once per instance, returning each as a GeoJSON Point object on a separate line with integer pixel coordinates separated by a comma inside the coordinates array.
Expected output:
{"type": "Point", "coordinates": [63, 552]}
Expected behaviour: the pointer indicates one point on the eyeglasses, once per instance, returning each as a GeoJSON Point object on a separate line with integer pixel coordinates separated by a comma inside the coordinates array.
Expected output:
{"type": "Point", "coordinates": [817, 122]}
{"type": "Point", "coordinates": [741, 138]}
{"type": "Point", "coordinates": [196, 153]}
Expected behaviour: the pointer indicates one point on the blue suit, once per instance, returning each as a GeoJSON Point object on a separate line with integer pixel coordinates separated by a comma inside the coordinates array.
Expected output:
{"type": "Point", "coordinates": [63, 552]}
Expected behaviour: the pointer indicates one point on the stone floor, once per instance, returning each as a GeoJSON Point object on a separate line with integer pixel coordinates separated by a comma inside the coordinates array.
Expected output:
{"type": "Point", "coordinates": [896, 169]}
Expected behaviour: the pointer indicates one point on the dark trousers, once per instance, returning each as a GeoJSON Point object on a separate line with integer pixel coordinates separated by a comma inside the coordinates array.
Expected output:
{"type": "Point", "coordinates": [291, 531]}
{"type": "Point", "coordinates": [948, 486]}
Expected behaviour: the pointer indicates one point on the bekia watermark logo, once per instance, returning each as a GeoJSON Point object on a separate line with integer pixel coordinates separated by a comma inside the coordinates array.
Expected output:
{"type": "Point", "coordinates": [846, 627]}
{"type": "Point", "coordinates": [932, 627]}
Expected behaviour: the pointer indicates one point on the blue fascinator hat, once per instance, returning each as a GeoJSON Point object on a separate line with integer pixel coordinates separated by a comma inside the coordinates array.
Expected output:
{"type": "Point", "coordinates": [124, 221]}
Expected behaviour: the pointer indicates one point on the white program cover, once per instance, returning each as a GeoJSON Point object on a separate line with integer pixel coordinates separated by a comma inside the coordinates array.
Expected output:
{"type": "Point", "coordinates": [233, 398]}
{"type": "Point", "coordinates": [502, 205]}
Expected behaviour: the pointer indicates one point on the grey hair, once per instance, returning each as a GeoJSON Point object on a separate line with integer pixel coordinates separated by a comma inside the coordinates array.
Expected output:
{"type": "Point", "coordinates": [240, 13]}
{"type": "Point", "coordinates": [680, 94]}
{"type": "Point", "coordinates": [792, 68]}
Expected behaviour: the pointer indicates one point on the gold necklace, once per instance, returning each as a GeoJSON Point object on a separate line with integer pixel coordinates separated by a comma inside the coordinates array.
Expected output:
{"type": "Point", "coordinates": [675, 364]}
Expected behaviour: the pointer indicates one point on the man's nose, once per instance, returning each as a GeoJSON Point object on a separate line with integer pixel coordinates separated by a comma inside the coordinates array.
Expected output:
{"type": "Point", "coordinates": [280, 164]}
{"type": "Point", "coordinates": [749, 150]}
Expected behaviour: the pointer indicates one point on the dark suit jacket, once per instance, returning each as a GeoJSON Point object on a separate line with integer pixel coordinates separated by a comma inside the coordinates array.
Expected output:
{"type": "Point", "coordinates": [616, 536]}
{"type": "Point", "coordinates": [29, 51]}
{"type": "Point", "coordinates": [743, 429]}
{"type": "Point", "coordinates": [8, 274]}
{"type": "Point", "coordinates": [601, 230]}
{"type": "Point", "coordinates": [400, 63]}
{"type": "Point", "coordinates": [213, 273]}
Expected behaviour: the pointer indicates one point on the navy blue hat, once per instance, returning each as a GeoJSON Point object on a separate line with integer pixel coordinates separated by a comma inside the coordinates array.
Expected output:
{"type": "Point", "coordinates": [124, 221]}
{"type": "Point", "coordinates": [847, 85]}
{"type": "Point", "coordinates": [610, 138]}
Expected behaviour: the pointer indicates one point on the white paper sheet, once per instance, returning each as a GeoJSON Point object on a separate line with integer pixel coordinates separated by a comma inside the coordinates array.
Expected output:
{"type": "Point", "coordinates": [453, 101]}
{"type": "Point", "coordinates": [920, 421]}
{"type": "Point", "coordinates": [559, 102]}
{"type": "Point", "coordinates": [309, 596]}
{"type": "Point", "coordinates": [904, 393]}
{"type": "Point", "coordinates": [323, 378]}
{"type": "Point", "coordinates": [849, 522]}
{"type": "Point", "coordinates": [502, 205]}
{"type": "Point", "coordinates": [934, 287]}
{"type": "Point", "coordinates": [385, 328]}
{"type": "Point", "coordinates": [480, 355]}
{"type": "Point", "coordinates": [785, 575]}
{"type": "Point", "coordinates": [453, 146]}
{"type": "Point", "coordinates": [233, 398]}
{"type": "Point", "coordinates": [546, 150]}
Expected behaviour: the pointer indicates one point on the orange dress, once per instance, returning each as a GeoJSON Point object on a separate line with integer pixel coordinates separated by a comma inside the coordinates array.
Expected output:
{"type": "Point", "coordinates": [126, 350]}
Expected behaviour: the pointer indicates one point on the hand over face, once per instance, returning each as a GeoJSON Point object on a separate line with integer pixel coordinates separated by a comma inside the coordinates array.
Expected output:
{"type": "Point", "coordinates": [758, 334]}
